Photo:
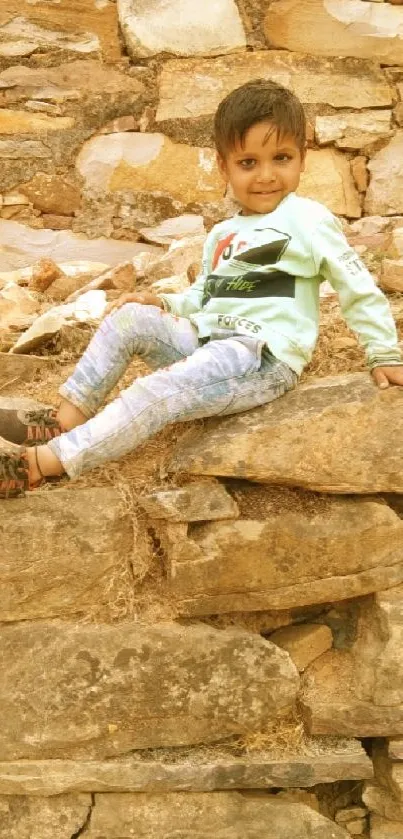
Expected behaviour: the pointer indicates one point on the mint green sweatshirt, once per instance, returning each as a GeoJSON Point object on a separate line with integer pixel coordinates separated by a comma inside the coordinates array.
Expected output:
{"type": "Point", "coordinates": [261, 276]}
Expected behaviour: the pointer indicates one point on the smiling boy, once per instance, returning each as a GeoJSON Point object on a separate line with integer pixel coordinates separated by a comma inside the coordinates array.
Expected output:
{"type": "Point", "coordinates": [240, 336]}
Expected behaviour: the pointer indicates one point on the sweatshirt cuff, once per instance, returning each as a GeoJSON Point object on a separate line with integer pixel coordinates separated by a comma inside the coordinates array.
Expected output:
{"type": "Point", "coordinates": [387, 358]}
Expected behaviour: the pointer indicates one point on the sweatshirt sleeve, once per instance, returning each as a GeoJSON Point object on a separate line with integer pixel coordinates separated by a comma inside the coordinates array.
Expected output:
{"type": "Point", "coordinates": [190, 301]}
{"type": "Point", "coordinates": [364, 307]}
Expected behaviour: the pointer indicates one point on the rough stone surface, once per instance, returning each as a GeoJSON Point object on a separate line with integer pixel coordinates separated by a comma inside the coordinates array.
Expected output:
{"type": "Point", "coordinates": [52, 194]}
{"type": "Point", "coordinates": [22, 368]}
{"type": "Point", "coordinates": [332, 436]}
{"type": "Point", "coordinates": [191, 89]}
{"type": "Point", "coordinates": [21, 246]}
{"type": "Point", "coordinates": [69, 27]}
{"type": "Point", "coordinates": [190, 815]}
{"type": "Point", "coordinates": [150, 162]}
{"type": "Point", "coordinates": [328, 178]}
{"type": "Point", "coordinates": [380, 800]}
{"type": "Point", "coordinates": [353, 131]}
{"type": "Point", "coordinates": [303, 643]}
{"type": "Point", "coordinates": [337, 27]}
{"type": "Point", "coordinates": [385, 829]}
{"type": "Point", "coordinates": [385, 192]}
{"type": "Point", "coordinates": [20, 122]}
{"type": "Point", "coordinates": [391, 278]}
{"type": "Point", "coordinates": [359, 172]}
{"type": "Point", "coordinates": [289, 559]}
{"type": "Point", "coordinates": [105, 690]}
{"type": "Point", "coordinates": [88, 308]}
{"type": "Point", "coordinates": [152, 28]}
{"type": "Point", "coordinates": [43, 818]}
{"type": "Point", "coordinates": [193, 770]}
{"type": "Point", "coordinates": [87, 535]}
{"type": "Point", "coordinates": [194, 502]}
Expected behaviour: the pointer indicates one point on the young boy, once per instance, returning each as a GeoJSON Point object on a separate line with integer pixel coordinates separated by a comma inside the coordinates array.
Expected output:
{"type": "Point", "coordinates": [240, 336]}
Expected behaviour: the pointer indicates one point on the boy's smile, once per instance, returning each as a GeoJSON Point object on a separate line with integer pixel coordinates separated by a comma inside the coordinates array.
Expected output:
{"type": "Point", "coordinates": [264, 169]}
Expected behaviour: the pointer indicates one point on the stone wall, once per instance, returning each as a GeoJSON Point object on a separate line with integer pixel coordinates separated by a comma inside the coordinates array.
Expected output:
{"type": "Point", "coordinates": [215, 647]}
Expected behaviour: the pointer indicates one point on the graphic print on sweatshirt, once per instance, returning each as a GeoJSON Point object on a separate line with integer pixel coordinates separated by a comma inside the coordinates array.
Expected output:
{"type": "Point", "coordinates": [263, 248]}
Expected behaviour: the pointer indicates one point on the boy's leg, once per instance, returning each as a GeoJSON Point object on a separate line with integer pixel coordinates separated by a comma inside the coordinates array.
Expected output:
{"type": "Point", "coordinates": [134, 329]}
{"type": "Point", "coordinates": [219, 378]}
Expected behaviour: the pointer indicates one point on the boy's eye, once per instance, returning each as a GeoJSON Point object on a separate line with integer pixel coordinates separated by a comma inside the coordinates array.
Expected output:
{"type": "Point", "coordinates": [283, 156]}
{"type": "Point", "coordinates": [247, 162]}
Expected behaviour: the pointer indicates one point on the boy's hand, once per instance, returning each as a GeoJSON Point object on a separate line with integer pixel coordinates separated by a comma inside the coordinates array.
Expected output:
{"type": "Point", "coordinates": [144, 297]}
{"type": "Point", "coordinates": [385, 376]}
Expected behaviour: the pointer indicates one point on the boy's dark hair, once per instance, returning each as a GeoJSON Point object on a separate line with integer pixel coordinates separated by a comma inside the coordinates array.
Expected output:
{"type": "Point", "coordinates": [260, 100]}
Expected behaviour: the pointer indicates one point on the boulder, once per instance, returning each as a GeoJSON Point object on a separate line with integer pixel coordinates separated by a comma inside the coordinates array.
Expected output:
{"type": "Point", "coordinates": [196, 770]}
{"type": "Point", "coordinates": [70, 571]}
{"type": "Point", "coordinates": [89, 307]}
{"type": "Point", "coordinates": [337, 27]}
{"type": "Point", "coordinates": [391, 278]}
{"type": "Point", "coordinates": [204, 501]}
{"type": "Point", "coordinates": [52, 194]}
{"type": "Point", "coordinates": [152, 28]}
{"type": "Point", "coordinates": [285, 559]}
{"type": "Point", "coordinates": [304, 643]}
{"type": "Point", "coordinates": [43, 818]}
{"type": "Point", "coordinates": [223, 814]}
{"type": "Point", "coordinates": [332, 435]}
{"type": "Point", "coordinates": [76, 690]}
{"type": "Point", "coordinates": [385, 192]}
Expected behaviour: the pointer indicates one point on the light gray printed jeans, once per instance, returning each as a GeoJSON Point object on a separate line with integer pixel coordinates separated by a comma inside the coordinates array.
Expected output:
{"type": "Point", "coordinates": [190, 380]}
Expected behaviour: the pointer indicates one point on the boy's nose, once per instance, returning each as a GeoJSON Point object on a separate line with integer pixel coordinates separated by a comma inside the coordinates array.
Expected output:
{"type": "Point", "coordinates": [266, 173]}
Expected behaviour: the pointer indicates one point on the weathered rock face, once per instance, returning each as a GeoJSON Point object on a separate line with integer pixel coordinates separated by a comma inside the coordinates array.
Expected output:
{"type": "Point", "coordinates": [332, 435]}
{"type": "Point", "coordinates": [328, 178]}
{"type": "Point", "coordinates": [195, 502]}
{"type": "Point", "coordinates": [86, 537]}
{"type": "Point", "coordinates": [104, 690]}
{"type": "Point", "coordinates": [353, 131]}
{"type": "Point", "coordinates": [39, 818]}
{"type": "Point", "coordinates": [152, 28]}
{"type": "Point", "coordinates": [67, 28]}
{"type": "Point", "coordinates": [384, 195]}
{"type": "Point", "coordinates": [288, 559]}
{"type": "Point", "coordinates": [337, 27]}
{"type": "Point", "coordinates": [186, 770]}
{"type": "Point", "coordinates": [190, 814]}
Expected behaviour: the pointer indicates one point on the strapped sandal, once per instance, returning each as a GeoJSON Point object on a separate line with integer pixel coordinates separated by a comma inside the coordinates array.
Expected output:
{"type": "Point", "coordinates": [29, 428]}
{"type": "Point", "coordinates": [14, 478]}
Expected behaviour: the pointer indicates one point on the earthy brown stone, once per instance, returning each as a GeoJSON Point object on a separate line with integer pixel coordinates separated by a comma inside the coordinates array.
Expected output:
{"type": "Point", "coordinates": [291, 558]}
{"type": "Point", "coordinates": [150, 28]}
{"type": "Point", "coordinates": [385, 829]}
{"type": "Point", "coordinates": [193, 770]}
{"type": "Point", "coordinates": [337, 27]}
{"type": "Point", "coordinates": [385, 192]}
{"type": "Point", "coordinates": [391, 278]}
{"type": "Point", "coordinates": [178, 259]}
{"type": "Point", "coordinates": [69, 26]}
{"type": "Point", "coordinates": [381, 801]}
{"type": "Point", "coordinates": [44, 273]}
{"type": "Point", "coordinates": [89, 308]}
{"type": "Point", "coordinates": [43, 818]}
{"type": "Point", "coordinates": [353, 131]}
{"type": "Point", "coordinates": [52, 194]}
{"type": "Point", "coordinates": [19, 122]}
{"type": "Point", "coordinates": [360, 173]}
{"type": "Point", "coordinates": [328, 178]}
{"type": "Point", "coordinates": [50, 220]}
{"type": "Point", "coordinates": [103, 690]}
{"type": "Point", "coordinates": [395, 750]}
{"type": "Point", "coordinates": [22, 368]}
{"type": "Point", "coordinates": [195, 502]}
{"type": "Point", "coordinates": [223, 814]}
{"type": "Point", "coordinates": [150, 162]}
{"type": "Point", "coordinates": [67, 573]}
{"type": "Point", "coordinates": [303, 643]}
{"type": "Point", "coordinates": [332, 435]}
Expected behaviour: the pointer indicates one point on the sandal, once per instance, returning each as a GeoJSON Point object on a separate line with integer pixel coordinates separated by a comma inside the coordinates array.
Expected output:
{"type": "Point", "coordinates": [29, 428]}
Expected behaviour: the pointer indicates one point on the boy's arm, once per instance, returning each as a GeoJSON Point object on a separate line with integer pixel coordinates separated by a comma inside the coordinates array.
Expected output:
{"type": "Point", "coordinates": [190, 301]}
{"type": "Point", "coordinates": [364, 307]}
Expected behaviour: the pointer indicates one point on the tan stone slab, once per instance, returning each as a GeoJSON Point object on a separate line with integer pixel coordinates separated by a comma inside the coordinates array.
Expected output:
{"type": "Point", "coordinates": [337, 27]}
{"type": "Point", "coordinates": [191, 88]}
{"type": "Point", "coordinates": [151, 28]}
{"type": "Point", "coordinates": [76, 690]}
{"type": "Point", "coordinates": [194, 502]}
{"type": "Point", "coordinates": [150, 162]}
{"type": "Point", "coordinates": [191, 815]}
{"type": "Point", "coordinates": [395, 750]}
{"type": "Point", "coordinates": [381, 801]}
{"type": "Point", "coordinates": [193, 770]}
{"type": "Point", "coordinates": [353, 131]}
{"type": "Point", "coordinates": [69, 571]}
{"type": "Point", "coordinates": [332, 435]}
{"type": "Point", "coordinates": [52, 194]}
{"type": "Point", "coordinates": [385, 829]}
{"type": "Point", "coordinates": [290, 559]}
{"type": "Point", "coordinates": [43, 818]}
{"type": "Point", "coordinates": [385, 192]}
{"type": "Point", "coordinates": [74, 21]}
{"type": "Point", "coordinates": [22, 368]}
{"type": "Point", "coordinates": [328, 178]}
{"type": "Point", "coordinates": [303, 643]}
{"type": "Point", "coordinates": [19, 122]}
{"type": "Point", "coordinates": [391, 278]}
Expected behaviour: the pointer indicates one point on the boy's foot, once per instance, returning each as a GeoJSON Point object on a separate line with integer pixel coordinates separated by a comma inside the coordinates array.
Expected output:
{"type": "Point", "coordinates": [14, 475]}
{"type": "Point", "coordinates": [29, 428]}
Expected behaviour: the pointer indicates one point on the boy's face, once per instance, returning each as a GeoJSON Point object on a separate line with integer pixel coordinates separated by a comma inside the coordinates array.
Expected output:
{"type": "Point", "coordinates": [265, 169]}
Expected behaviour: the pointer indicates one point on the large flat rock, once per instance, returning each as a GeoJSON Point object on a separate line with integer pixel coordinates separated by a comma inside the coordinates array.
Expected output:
{"type": "Point", "coordinates": [384, 195]}
{"type": "Point", "coordinates": [93, 691]}
{"type": "Point", "coordinates": [290, 558]}
{"type": "Point", "coordinates": [69, 571]}
{"type": "Point", "coordinates": [337, 27]}
{"type": "Point", "coordinates": [191, 815]}
{"type": "Point", "coordinates": [194, 770]}
{"type": "Point", "coordinates": [333, 435]}
{"type": "Point", "coordinates": [43, 818]}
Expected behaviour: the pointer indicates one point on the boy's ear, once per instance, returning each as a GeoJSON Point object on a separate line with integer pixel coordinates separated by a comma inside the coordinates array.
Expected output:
{"type": "Point", "coordinates": [222, 167]}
